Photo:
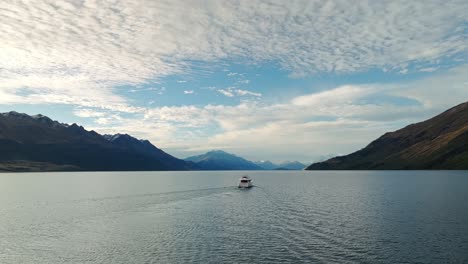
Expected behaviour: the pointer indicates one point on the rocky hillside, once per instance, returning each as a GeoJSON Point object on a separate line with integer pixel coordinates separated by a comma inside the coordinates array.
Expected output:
{"type": "Point", "coordinates": [438, 143]}
{"type": "Point", "coordinates": [37, 143]}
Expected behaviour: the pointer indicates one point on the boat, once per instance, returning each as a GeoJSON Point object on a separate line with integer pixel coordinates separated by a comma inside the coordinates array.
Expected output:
{"type": "Point", "coordinates": [245, 182]}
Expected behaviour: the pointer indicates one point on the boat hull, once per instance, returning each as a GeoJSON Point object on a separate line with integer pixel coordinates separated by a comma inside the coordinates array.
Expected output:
{"type": "Point", "coordinates": [245, 185]}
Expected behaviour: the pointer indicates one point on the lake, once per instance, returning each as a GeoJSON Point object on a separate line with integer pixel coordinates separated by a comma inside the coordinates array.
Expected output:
{"type": "Point", "coordinates": [180, 217]}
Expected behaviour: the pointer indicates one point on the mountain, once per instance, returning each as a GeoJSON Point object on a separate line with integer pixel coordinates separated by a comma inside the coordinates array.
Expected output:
{"type": "Point", "coordinates": [266, 164]}
{"type": "Point", "coordinates": [287, 165]}
{"type": "Point", "coordinates": [438, 143]}
{"type": "Point", "coordinates": [220, 160]}
{"type": "Point", "coordinates": [292, 165]}
{"type": "Point", "coordinates": [37, 143]}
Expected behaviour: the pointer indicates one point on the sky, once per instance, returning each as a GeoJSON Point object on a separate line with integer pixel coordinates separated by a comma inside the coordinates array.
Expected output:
{"type": "Point", "coordinates": [266, 80]}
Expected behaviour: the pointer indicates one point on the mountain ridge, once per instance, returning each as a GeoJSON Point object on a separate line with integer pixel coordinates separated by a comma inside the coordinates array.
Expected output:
{"type": "Point", "coordinates": [51, 145]}
{"type": "Point", "coordinates": [440, 142]}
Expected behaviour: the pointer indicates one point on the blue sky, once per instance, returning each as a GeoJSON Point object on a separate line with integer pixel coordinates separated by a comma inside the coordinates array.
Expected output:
{"type": "Point", "coordinates": [276, 80]}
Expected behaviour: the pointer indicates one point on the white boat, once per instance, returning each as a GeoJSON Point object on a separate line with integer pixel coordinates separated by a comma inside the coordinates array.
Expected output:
{"type": "Point", "coordinates": [245, 182]}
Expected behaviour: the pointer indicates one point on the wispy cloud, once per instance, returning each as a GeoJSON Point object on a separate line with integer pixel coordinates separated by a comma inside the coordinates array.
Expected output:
{"type": "Point", "coordinates": [245, 92]}
{"type": "Point", "coordinates": [244, 81]}
{"type": "Point", "coordinates": [226, 92]}
{"type": "Point", "coordinates": [159, 91]}
{"type": "Point", "coordinates": [335, 96]}
{"type": "Point", "coordinates": [188, 92]}
{"type": "Point", "coordinates": [430, 69]}
{"type": "Point", "coordinates": [85, 112]}
{"type": "Point", "coordinates": [63, 47]}
{"type": "Point", "coordinates": [232, 91]}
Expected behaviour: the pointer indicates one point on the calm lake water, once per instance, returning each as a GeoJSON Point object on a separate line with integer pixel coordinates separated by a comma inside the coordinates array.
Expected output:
{"type": "Point", "coordinates": [180, 217]}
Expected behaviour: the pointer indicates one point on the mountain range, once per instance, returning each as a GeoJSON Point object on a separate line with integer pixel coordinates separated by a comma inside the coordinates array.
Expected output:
{"type": "Point", "coordinates": [437, 143]}
{"type": "Point", "coordinates": [37, 143]}
{"type": "Point", "coordinates": [287, 165]}
{"type": "Point", "coordinates": [220, 160]}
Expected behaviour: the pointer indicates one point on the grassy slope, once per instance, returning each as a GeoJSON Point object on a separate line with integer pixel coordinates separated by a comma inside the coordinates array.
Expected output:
{"type": "Point", "coordinates": [438, 143]}
{"type": "Point", "coordinates": [32, 166]}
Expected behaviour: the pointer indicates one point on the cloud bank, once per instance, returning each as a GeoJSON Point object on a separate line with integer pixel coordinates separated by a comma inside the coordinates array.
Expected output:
{"type": "Point", "coordinates": [68, 48]}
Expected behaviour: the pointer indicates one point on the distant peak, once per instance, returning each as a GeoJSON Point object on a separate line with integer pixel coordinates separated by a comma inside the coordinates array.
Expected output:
{"type": "Point", "coordinates": [15, 114]}
{"type": "Point", "coordinates": [263, 161]}
{"type": "Point", "coordinates": [217, 151]}
{"type": "Point", "coordinates": [113, 137]}
{"type": "Point", "coordinates": [38, 118]}
{"type": "Point", "coordinates": [124, 137]}
{"type": "Point", "coordinates": [76, 127]}
{"type": "Point", "coordinates": [118, 135]}
{"type": "Point", "coordinates": [220, 153]}
{"type": "Point", "coordinates": [42, 118]}
{"type": "Point", "coordinates": [145, 141]}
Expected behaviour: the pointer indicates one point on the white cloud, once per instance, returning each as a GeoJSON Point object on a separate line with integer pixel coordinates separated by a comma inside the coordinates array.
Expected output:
{"type": "Point", "coordinates": [59, 88]}
{"type": "Point", "coordinates": [226, 92]}
{"type": "Point", "coordinates": [109, 120]}
{"type": "Point", "coordinates": [188, 92]}
{"type": "Point", "coordinates": [430, 69]}
{"type": "Point", "coordinates": [245, 92]}
{"type": "Point", "coordinates": [231, 92]}
{"type": "Point", "coordinates": [155, 89]}
{"type": "Point", "coordinates": [243, 81]}
{"type": "Point", "coordinates": [85, 112]}
{"type": "Point", "coordinates": [75, 48]}
{"type": "Point", "coordinates": [404, 71]}
{"type": "Point", "coordinates": [335, 96]}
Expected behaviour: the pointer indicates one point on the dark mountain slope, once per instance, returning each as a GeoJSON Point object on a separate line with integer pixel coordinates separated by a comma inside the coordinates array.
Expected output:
{"type": "Point", "coordinates": [438, 143]}
{"type": "Point", "coordinates": [40, 140]}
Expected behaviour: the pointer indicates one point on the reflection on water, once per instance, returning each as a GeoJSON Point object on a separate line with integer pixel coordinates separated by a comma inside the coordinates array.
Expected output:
{"type": "Point", "coordinates": [167, 217]}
